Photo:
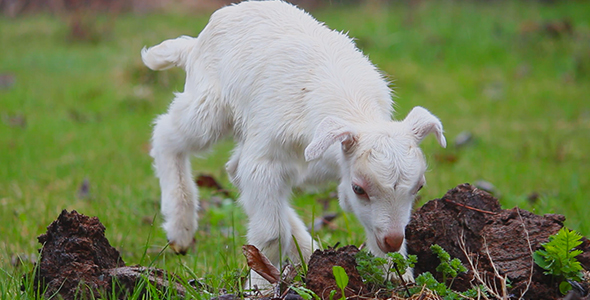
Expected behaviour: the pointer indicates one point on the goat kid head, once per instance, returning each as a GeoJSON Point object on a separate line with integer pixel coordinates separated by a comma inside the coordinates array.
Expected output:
{"type": "Point", "coordinates": [382, 169]}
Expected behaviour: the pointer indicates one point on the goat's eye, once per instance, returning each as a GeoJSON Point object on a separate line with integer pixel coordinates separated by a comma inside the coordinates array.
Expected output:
{"type": "Point", "coordinates": [358, 190]}
{"type": "Point", "coordinates": [418, 189]}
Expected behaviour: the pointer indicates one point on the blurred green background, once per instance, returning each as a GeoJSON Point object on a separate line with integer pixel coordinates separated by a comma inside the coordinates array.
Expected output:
{"type": "Point", "coordinates": [510, 80]}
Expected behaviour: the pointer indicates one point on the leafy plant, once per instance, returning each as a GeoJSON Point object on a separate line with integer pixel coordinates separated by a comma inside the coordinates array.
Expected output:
{"type": "Point", "coordinates": [428, 280]}
{"type": "Point", "coordinates": [305, 293]}
{"type": "Point", "coordinates": [376, 270]}
{"type": "Point", "coordinates": [341, 279]}
{"type": "Point", "coordinates": [558, 258]}
{"type": "Point", "coordinates": [448, 267]}
{"type": "Point", "coordinates": [400, 264]}
{"type": "Point", "coordinates": [370, 268]}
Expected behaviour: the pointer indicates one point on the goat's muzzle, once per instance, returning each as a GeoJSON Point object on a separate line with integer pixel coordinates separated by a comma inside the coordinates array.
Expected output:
{"type": "Point", "coordinates": [391, 242]}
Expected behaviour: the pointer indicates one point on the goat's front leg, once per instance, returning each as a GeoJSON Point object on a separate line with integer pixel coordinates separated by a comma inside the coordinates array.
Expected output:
{"type": "Point", "coordinates": [264, 193]}
{"type": "Point", "coordinates": [304, 240]}
{"type": "Point", "coordinates": [409, 275]}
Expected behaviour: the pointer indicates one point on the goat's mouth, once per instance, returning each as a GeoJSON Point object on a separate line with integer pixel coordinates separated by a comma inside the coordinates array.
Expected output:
{"type": "Point", "coordinates": [380, 245]}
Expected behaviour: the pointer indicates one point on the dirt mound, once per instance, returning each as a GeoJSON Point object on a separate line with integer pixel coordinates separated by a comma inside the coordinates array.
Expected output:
{"type": "Point", "coordinates": [495, 244]}
{"type": "Point", "coordinates": [320, 277]}
{"type": "Point", "coordinates": [78, 262]}
{"type": "Point", "coordinates": [470, 225]}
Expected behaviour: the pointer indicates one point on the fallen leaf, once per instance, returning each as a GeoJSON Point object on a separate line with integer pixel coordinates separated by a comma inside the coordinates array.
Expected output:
{"type": "Point", "coordinates": [260, 264]}
{"type": "Point", "coordinates": [16, 121]}
{"type": "Point", "coordinates": [552, 28]}
{"type": "Point", "coordinates": [84, 189]}
{"type": "Point", "coordinates": [558, 28]}
{"type": "Point", "coordinates": [533, 197]}
{"type": "Point", "coordinates": [6, 81]}
{"type": "Point", "coordinates": [207, 181]}
{"type": "Point", "coordinates": [77, 116]}
{"type": "Point", "coordinates": [148, 220]}
{"type": "Point", "coordinates": [446, 157]}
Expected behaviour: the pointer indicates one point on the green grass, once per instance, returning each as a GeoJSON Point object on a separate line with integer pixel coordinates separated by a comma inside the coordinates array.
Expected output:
{"type": "Point", "coordinates": [88, 108]}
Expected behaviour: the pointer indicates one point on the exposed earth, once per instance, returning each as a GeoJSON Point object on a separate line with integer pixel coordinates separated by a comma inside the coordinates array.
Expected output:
{"type": "Point", "coordinates": [470, 224]}
{"type": "Point", "coordinates": [77, 262]}
{"type": "Point", "coordinates": [494, 244]}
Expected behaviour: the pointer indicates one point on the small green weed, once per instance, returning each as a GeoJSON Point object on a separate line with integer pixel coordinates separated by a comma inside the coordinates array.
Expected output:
{"type": "Point", "coordinates": [305, 293]}
{"type": "Point", "coordinates": [559, 258]}
{"type": "Point", "coordinates": [375, 271]}
{"type": "Point", "coordinates": [375, 275]}
{"type": "Point", "coordinates": [400, 264]}
{"type": "Point", "coordinates": [448, 267]}
{"type": "Point", "coordinates": [370, 268]}
{"type": "Point", "coordinates": [341, 280]}
{"type": "Point", "coordinates": [427, 279]}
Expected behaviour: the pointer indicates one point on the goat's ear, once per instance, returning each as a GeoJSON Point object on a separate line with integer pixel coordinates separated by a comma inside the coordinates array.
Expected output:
{"type": "Point", "coordinates": [423, 123]}
{"type": "Point", "coordinates": [328, 132]}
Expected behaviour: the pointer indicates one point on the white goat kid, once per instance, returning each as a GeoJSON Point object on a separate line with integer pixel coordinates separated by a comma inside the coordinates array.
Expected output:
{"type": "Point", "coordinates": [304, 105]}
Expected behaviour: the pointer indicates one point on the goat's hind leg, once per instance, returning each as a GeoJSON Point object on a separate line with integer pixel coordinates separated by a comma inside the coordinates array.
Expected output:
{"type": "Point", "coordinates": [190, 125]}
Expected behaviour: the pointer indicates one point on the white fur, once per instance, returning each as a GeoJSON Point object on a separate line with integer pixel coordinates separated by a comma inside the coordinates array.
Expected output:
{"type": "Point", "coordinates": [303, 105]}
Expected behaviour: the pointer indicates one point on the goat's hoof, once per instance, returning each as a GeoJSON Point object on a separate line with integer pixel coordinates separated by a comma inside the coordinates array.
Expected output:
{"type": "Point", "coordinates": [182, 250]}
{"type": "Point", "coordinates": [178, 250]}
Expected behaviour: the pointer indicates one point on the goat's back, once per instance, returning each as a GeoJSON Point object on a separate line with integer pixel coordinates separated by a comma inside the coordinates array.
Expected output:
{"type": "Point", "coordinates": [281, 72]}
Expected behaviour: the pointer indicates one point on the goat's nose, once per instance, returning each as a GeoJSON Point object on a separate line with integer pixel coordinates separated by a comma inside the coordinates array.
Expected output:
{"type": "Point", "coordinates": [393, 242]}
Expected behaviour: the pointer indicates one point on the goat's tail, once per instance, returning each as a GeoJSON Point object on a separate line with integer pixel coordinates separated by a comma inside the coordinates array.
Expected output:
{"type": "Point", "coordinates": [168, 54]}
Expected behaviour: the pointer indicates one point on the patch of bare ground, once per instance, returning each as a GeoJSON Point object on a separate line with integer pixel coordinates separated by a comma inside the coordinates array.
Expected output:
{"type": "Point", "coordinates": [494, 244]}
{"type": "Point", "coordinates": [320, 277]}
{"type": "Point", "coordinates": [78, 262]}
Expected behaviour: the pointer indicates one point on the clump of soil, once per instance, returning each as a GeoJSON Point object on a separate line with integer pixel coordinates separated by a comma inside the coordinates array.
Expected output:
{"type": "Point", "coordinates": [320, 277]}
{"type": "Point", "coordinates": [470, 225]}
{"type": "Point", "coordinates": [78, 262]}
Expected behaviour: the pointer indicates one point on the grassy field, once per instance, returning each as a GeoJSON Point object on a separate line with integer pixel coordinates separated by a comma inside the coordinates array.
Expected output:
{"type": "Point", "coordinates": [82, 111]}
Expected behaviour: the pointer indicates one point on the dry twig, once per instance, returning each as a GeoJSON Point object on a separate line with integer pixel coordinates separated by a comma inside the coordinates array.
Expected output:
{"type": "Point", "coordinates": [528, 284]}
{"type": "Point", "coordinates": [496, 273]}
{"type": "Point", "coordinates": [470, 207]}
{"type": "Point", "coordinates": [481, 277]}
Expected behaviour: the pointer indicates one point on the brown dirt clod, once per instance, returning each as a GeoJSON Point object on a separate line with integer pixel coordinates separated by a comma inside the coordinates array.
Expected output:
{"type": "Point", "coordinates": [78, 262]}
{"type": "Point", "coordinates": [320, 277]}
{"type": "Point", "coordinates": [469, 218]}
